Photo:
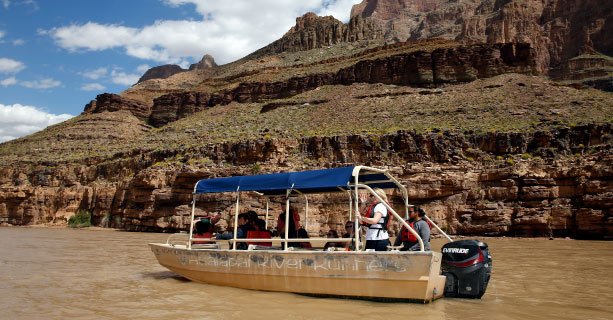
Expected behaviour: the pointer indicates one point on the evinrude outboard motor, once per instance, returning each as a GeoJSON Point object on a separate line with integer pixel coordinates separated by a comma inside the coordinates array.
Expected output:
{"type": "Point", "coordinates": [467, 264]}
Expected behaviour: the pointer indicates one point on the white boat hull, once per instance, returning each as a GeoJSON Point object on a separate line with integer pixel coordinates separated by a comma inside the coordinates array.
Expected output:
{"type": "Point", "coordinates": [412, 276]}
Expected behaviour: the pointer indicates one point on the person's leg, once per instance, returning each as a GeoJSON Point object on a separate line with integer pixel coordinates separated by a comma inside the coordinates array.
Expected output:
{"type": "Point", "coordinates": [370, 244]}
{"type": "Point", "coordinates": [381, 245]}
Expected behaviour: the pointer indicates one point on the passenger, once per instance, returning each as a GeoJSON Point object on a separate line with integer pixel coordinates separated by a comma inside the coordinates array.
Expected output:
{"type": "Point", "coordinates": [377, 237]}
{"type": "Point", "coordinates": [405, 238]}
{"type": "Point", "coordinates": [241, 231]}
{"type": "Point", "coordinates": [281, 220]}
{"type": "Point", "coordinates": [333, 234]}
{"type": "Point", "coordinates": [349, 233]}
{"type": "Point", "coordinates": [260, 232]}
{"type": "Point", "coordinates": [423, 229]}
{"type": "Point", "coordinates": [212, 220]}
{"type": "Point", "coordinates": [202, 230]}
{"type": "Point", "coordinates": [293, 232]}
{"type": "Point", "coordinates": [303, 234]}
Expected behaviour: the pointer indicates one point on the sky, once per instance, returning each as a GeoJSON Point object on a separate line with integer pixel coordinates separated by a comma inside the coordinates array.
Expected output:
{"type": "Point", "coordinates": [57, 55]}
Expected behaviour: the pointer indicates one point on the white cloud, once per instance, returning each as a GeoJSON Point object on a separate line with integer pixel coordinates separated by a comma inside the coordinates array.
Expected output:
{"type": "Point", "coordinates": [8, 82]}
{"type": "Point", "coordinates": [120, 77]}
{"type": "Point", "coordinates": [92, 87]}
{"type": "Point", "coordinates": [228, 30]}
{"type": "Point", "coordinates": [46, 83]}
{"type": "Point", "coordinates": [18, 42]}
{"type": "Point", "coordinates": [10, 65]}
{"type": "Point", "coordinates": [2, 33]}
{"type": "Point", "coordinates": [6, 3]}
{"type": "Point", "coordinates": [18, 120]}
{"type": "Point", "coordinates": [143, 68]}
{"type": "Point", "coordinates": [95, 74]}
{"type": "Point", "coordinates": [340, 9]}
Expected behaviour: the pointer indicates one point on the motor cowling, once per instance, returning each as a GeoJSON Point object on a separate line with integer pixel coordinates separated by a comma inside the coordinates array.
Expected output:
{"type": "Point", "coordinates": [467, 264]}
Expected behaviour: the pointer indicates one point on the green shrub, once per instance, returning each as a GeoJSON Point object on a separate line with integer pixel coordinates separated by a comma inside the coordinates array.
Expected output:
{"type": "Point", "coordinates": [81, 219]}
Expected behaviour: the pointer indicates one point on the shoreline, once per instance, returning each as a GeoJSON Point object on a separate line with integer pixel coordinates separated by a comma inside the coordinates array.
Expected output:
{"type": "Point", "coordinates": [434, 237]}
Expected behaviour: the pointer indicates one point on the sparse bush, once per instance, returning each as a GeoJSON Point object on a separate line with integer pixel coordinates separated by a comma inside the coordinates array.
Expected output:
{"type": "Point", "coordinates": [81, 219]}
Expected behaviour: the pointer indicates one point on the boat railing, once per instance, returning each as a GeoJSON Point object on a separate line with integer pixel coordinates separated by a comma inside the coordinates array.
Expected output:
{"type": "Point", "coordinates": [173, 239]}
{"type": "Point", "coordinates": [396, 215]}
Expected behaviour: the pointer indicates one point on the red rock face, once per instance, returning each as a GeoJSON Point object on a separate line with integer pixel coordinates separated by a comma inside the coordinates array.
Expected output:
{"type": "Point", "coordinates": [161, 72]}
{"type": "Point", "coordinates": [557, 29]}
{"type": "Point", "coordinates": [567, 196]}
{"type": "Point", "coordinates": [312, 31]}
{"type": "Point", "coordinates": [113, 102]}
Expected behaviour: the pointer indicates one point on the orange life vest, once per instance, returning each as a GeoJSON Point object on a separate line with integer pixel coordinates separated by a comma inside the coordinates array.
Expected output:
{"type": "Point", "coordinates": [256, 234]}
{"type": "Point", "coordinates": [407, 236]}
{"type": "Point", "coordinates": [206, 235]}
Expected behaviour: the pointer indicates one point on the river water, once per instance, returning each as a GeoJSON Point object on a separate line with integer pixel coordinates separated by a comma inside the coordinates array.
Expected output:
{"type": "Point", "coordinates": [104, 274]}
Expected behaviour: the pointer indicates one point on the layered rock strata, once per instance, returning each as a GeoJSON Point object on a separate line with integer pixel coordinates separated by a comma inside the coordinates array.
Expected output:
{"type": "Point", "coordinates": [420, 68]}
{"type": "Point", "coordinates": [558, 29]}
{"type": "Point", "coordinates": [545, 183]}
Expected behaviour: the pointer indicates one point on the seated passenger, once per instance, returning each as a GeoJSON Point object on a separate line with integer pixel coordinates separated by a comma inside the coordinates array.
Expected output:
{"type": "Point", "coordinates": [420, 225]}
{"type": "Point", "coordinates": [423, 229]}
{"type": "Point", "coordinates": [303, 234]}
{"type": "Point", "coordinates": [349, 233]}
{"type": "Point", "coordinates": [202, 230]}
{"type": "Point", "coordinates": [241, 231]}
{"type": "Point", "coordinates": [293, 232]}
{"type": "Point", "coordinates": [405, 238]}
{"type": "Point", "coordinates": [260, 232]}
{"type": "Point", "coordinates": [333, 234]}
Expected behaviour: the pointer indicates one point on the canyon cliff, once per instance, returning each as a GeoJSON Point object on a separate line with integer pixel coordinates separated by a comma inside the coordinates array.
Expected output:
{"type": "Point", "coordinates": [453, 97]}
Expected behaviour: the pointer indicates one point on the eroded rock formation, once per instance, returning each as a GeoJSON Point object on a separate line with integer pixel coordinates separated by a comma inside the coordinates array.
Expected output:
{"type": "Point", "coordinates": [161, 72]}
{"type": "Point", "coordinates": [543, 190]}
{"type": "Point", "coordinates": [420, 68]}
{"type": "Point", "coordinates": [558, 30]}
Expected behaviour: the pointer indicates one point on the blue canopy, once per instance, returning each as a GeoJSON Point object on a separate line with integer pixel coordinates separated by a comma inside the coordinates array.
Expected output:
{"type": "Point", "coordinates": [313, 181]}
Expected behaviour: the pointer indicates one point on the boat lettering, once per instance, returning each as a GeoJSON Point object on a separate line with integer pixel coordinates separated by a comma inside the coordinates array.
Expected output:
{"type": "Point", "coordinates": [279, 262]}
{"type": "Point", "coordinates": [455, 250]}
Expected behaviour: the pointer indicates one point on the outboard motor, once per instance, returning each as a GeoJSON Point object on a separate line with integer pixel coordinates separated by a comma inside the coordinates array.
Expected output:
{"type": "Point", "coordinates": [467, 264]}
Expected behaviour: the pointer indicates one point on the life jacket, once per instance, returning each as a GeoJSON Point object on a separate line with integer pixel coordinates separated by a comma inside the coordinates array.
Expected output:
{"type": "Point", "coordinates": [370, 212]}
{"type": "Point", "coordinates": [206, 235]}
{"type": "Point", "coordinates": [257, 234]}
{"type": "Point", "coordinates": [407, 236]}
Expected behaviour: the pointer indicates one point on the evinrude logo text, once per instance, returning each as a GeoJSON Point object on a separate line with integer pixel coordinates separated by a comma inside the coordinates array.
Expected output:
{"type": "Point", "coordinates": [455, 250]}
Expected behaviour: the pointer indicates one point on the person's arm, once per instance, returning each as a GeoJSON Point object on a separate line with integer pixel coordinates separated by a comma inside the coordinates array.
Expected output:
{"type": "Point", "coordinates": [424, 231]}
{"type": "Point", "coordinates": [373, 220]}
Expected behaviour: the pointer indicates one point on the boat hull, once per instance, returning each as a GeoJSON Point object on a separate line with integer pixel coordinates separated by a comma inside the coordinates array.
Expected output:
{"type": "Point", "coordinates": [411, 276]}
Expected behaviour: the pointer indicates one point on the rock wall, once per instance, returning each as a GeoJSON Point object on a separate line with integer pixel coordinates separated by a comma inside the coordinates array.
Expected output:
{"type": "Point", "coordinates": [312, 31]}
{"type": "Point", "coordinates": [161, 72]}
{"type": "Point", "coordinates": [112, 102]}
{"type": "Point", "coordinates": [557, 29]}
{"type": "Point", "coordinates": [554, 182]}
{"type": "Point", "coordinates": [420, 68]}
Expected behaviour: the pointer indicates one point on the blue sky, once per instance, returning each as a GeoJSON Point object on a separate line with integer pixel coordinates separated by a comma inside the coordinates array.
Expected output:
{"type": "Point", "coordinates": [57, 55]}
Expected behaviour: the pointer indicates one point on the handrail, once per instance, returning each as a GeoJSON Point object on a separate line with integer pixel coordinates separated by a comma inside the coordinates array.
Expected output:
{"type": "Point", "coordinates": [439, 229]}
{"type": "Point", "coordinates": [421, 242]}
{"type": "Point", "coordinates": [175, 235]}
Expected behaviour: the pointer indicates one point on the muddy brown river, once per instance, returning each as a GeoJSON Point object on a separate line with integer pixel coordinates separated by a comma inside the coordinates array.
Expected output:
{"type": "Point", "coordinates": [104, 274]}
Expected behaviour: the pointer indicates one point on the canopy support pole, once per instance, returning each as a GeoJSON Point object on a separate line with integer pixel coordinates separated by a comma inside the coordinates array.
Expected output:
{"type": "Point", "coordinates": [266, 220]}
{"type": "Point", "coordinates": [306, 212]}
{"type": "Point", "coordinates": [287, 218]}
{"type": "Point", "coordinates": [238, 195]}
{"type": "Point", "coordinates": [356, 225]}
{"type": "Point", "coordinates": [191, 225]}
